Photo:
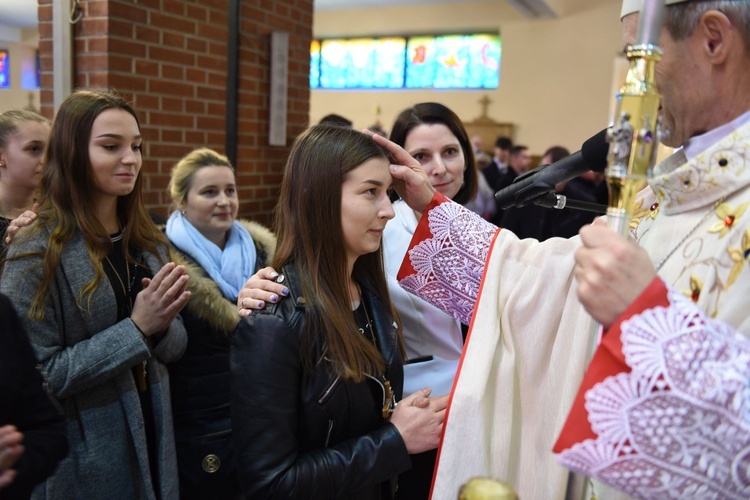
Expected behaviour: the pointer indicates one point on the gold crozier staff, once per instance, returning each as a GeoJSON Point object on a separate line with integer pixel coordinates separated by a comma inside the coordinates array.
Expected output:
{"type": "Point", "coordinates": [634, 140]}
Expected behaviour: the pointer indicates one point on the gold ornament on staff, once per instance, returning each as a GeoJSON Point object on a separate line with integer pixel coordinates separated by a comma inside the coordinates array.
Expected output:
{"type": "Point", "coordinates": [634, 135]}
{"type": "Point", "coordinates": [634, 140]}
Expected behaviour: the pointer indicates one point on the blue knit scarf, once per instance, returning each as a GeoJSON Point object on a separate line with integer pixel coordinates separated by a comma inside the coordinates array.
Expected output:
{"type": "Point", "coordinates": [229, 268]}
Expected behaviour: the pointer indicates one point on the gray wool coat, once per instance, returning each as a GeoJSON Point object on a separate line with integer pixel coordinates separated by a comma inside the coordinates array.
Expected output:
{"type": "Point", "coordinates": [88, 356]}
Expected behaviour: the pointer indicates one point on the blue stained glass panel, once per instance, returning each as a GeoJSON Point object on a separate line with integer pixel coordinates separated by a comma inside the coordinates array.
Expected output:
{"type": "Point", "coordinates": [4, 69]}
{"type": "Point", "coordinates": [453, 61]}
{"type": "Point", "coordinates": [440, 62]}
{"type": "Point", "coordinates": [362, 63]}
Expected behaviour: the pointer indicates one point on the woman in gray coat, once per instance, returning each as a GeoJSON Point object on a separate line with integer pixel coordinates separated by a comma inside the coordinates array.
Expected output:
{"type": "Point", "coordinates": [100, 304]}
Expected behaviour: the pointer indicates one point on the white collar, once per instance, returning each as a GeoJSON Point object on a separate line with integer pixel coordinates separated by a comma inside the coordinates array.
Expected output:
{"type": "Point", "coordinates": [715, 172]}
{"type": "Point", "coordinates": [698, 144]}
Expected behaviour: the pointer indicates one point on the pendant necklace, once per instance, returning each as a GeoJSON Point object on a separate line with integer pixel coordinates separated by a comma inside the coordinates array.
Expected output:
{"type": "Point", "coordinates": [139, 372]}
{"type": "Point", "coordinates": [389, 396]}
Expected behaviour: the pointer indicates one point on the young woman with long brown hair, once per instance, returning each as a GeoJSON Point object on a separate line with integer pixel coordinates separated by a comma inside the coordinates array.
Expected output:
{"type": "Point", "coordinates": [99, 302]}
{"type": "Point", "coordinates": [433, 339]}
{"type": "Point", "coordinates": [315, 378]}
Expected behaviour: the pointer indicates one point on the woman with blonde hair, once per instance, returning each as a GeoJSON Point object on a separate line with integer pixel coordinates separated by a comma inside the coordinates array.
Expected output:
{"type": "Point", "coordinates": [219, 252]}
{"type": "Point", "coordinates": [99, 301]}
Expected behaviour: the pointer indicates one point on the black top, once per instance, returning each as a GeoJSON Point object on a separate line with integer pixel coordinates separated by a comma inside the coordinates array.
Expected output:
{"type": "Point", "coordinates": [25, 404]}
{"type": "Point", "coordinates": [125, 277]}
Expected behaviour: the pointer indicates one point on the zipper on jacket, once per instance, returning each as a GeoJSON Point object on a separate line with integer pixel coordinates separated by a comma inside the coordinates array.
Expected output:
{"type": "Point", "coordinates": [380, 383]}
{"type": "Point", "coordinates": [328, 434]}
{"type": "Point", "coordinates": [328, 391]}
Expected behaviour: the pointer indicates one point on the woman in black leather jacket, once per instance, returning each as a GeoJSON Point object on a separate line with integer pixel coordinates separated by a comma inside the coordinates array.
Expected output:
{"type": "Point", "coordinates": [315, 378]}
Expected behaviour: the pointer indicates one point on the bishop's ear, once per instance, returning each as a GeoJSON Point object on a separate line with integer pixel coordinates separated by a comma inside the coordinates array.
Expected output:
{"type": "Point", "coordinates": [717, 35]}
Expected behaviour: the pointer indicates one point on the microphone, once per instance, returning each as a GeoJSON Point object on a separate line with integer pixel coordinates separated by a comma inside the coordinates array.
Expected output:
{"type": "Point", "coordinates": [542, 180]}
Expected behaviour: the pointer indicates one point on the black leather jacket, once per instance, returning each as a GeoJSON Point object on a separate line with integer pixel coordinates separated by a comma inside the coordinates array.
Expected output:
{"type": "Point", "coordinates": [302, 434]}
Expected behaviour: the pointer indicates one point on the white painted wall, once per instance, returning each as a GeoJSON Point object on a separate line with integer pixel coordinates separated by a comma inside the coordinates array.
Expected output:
{"type": "Point", "coordinates": [557, 75]}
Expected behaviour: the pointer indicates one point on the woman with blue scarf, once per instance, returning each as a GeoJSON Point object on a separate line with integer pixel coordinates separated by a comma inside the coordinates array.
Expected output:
{"type": "Point", "coordinates": [220, 253]}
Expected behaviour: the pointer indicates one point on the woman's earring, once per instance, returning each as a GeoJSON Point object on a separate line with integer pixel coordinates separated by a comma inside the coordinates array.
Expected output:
{"type": "Point", "coordinates": [183, 213]}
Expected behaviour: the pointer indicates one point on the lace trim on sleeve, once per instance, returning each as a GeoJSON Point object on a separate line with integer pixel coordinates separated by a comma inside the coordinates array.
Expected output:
{"type": "Point", "coordinates": [450, 264]}
{"type": "Point", "coordinates": [678, 425]}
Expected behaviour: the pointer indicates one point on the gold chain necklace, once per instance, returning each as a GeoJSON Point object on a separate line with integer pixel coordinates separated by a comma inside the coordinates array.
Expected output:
{"type": "Point", "coordinates": [140, 375]}
{"type": "Point", "coordinates": [125, 290]}
{"type": "Point", "coordinates": [389, 396]}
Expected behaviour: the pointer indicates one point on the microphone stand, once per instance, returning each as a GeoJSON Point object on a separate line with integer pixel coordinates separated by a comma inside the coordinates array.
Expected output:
{"type": "Point", "coordinates": [543, 194]}
{"type": "Point", "coordinates": [560, 201]}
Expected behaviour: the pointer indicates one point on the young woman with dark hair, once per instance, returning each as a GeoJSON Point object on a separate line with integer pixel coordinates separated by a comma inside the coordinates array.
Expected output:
{"type": "Point", "coordinates": [100, 305]}
{"type": "Point", "coordinates": [316, 377]}
{"type": "Point", "coordinates": [433, 340]}
{"type": "Point", "coordinates": [441, 135]}
{"type": "Point", "coordinates": [435, 136]}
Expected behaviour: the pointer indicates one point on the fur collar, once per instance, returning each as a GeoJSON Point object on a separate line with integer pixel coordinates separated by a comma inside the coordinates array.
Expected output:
{"type": "Point", "coordinates": [206, 300]}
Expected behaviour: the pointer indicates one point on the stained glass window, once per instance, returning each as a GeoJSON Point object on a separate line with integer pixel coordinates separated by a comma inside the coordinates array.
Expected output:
{"type": "Point", "coordinates": [362, 63]}
{"type": "Point", "coordinates": [441, 62]}
{"type": "Point", "coordinates": [455, 61]}
{"type": "Point", "coordinates": [4, 69]}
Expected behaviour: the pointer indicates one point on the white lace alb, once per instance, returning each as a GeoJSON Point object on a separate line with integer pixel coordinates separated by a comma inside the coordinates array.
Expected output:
{"type": "Point", "coordinates": [678, 425]}
{"type": "Point", "coordinates": [449, 266]}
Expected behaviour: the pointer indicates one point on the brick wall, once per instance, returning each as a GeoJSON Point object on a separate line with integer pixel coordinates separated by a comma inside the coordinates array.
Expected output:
{"type": "Point", "coordinates": [171, 57]}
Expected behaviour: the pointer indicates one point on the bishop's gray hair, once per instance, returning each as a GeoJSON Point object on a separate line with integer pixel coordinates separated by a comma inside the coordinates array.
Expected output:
{"type": "Point", "coordinates": [681, 19]}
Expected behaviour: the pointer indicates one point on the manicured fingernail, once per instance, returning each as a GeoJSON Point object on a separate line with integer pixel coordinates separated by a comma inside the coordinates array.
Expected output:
{"type": "Point", "coordinates": [274, 298]}
{"type": "Point", "coordinates": [260, 303]}
{"type": "Point", "coordinates": [274, 274]}
{"type": "Point", "coordinates": [285, 291]}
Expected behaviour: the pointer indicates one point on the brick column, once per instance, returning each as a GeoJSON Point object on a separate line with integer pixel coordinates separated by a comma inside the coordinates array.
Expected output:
{"type": "Point", "coordinates": [170, 56]}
